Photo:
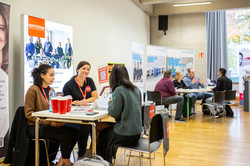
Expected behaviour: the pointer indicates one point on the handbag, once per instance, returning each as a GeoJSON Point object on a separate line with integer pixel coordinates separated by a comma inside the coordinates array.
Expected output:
{"type": "Point", "coordinates": [91, 161]}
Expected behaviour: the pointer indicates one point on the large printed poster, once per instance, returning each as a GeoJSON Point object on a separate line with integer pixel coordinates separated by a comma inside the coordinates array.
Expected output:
{"type": "Point", "coordinates": [137, 64]}
{"type": "Point", "coordinates": [47, 42]}
{"type": "Point", "coordinates": [244, 70]}
{"type": "Point", "coordinates": [4, 90]}
{"type": "Point", "coordinates": [156, 65]}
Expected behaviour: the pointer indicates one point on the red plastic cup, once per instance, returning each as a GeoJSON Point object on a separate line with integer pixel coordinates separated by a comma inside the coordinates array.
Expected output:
{"type": "Point", "coordinates": [69, 103]}
{"type": "Point", "coordinates": [54, 104]}
{"type": "Point", "coordinates": [62, 104]}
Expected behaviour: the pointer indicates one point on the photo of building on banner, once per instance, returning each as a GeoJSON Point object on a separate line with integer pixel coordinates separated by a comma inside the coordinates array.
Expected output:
{"type": "Point", "coordinates": [156, 65]}
{"type": "Point", "coordinates": [47, 42]}
{"type": "Point", "coordinates": [179, 60]}
{"type": "Point", "coordinates": [4, 66]}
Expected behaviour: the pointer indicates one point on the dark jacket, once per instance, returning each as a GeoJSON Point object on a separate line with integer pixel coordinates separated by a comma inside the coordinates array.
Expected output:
{"type": "Point", "coordinates": [18, 141]}
{"type": "Point", "coordinates": [223, 83]}
{"type": "Point", "coordinates": [180, 84]}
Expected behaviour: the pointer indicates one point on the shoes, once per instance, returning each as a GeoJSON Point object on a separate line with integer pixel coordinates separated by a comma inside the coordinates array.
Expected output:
{"type": "Point", "coordinates": [180, 120]}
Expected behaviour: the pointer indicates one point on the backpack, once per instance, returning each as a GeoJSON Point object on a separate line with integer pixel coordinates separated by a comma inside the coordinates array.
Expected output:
{"type": "Point", "coordinates": [89, 161]}
{"type": "Point", "coordinates": [229, 111]}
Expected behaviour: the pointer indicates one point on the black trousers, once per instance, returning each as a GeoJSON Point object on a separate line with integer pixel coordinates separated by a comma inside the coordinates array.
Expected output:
{"type": "Point", "coordinates": [109, 141]}
{"type": "Point", "coordinates": [65, 135]}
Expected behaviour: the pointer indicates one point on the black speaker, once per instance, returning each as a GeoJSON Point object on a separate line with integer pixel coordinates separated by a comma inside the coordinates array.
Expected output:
{"type": "Point", "coordinates": [163, 23]}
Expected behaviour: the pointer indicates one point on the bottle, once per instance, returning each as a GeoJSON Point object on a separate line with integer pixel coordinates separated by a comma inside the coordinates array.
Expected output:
{"type": "Point", "coordinates": [51, 94]}
{"type": "Point", "coordinates": [146, 98]}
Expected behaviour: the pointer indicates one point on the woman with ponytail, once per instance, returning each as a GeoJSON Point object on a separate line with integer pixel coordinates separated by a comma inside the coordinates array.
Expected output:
{"type": "Point", "coordinates": [36, 99]}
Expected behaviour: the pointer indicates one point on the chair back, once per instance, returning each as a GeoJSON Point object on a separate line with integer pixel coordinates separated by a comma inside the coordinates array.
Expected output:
{"type": "Point", "coordinates": [230, 95]}
{"type": "Point", "coordinates": [219, 96]}
{"type": "Point", "coordinates": [155, 96]}
{"type": "Point", "coordinates": [156, 129]}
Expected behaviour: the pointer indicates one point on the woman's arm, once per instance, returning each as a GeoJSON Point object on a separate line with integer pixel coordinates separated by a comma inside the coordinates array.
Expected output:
{"type": "Point", "coordinates": [94, 96]}
{"type": "Point", "coordinates": [29, 107]}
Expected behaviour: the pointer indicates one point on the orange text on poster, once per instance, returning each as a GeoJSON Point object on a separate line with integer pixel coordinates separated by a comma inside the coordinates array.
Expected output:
{"type": "Point", "coordinates": [36, 27]}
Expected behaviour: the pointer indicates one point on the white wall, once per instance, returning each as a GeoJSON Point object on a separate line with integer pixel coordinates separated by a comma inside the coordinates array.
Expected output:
{"type": "Point", "coordinates": [185, 31]}
{"type": "Point", "coordinates": [103, 30]}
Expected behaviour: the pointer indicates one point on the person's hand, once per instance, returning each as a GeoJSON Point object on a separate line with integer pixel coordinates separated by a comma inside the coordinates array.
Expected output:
{"type": "Point", "coordinates": [75, 102]}
{"type": "Point", "coordinates": [110, 100]}
{"type": "Point", "coordinates": [83, 102]}
{"type": "Point", "coordinates": [194, 80]}
{"type": "Point", "coordinates": [57, 124]}
{"type": "Point", "coordinates": [201, 81]}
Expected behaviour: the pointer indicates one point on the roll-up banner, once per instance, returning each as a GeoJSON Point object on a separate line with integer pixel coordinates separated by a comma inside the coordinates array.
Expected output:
{"type": "Point", "coordinates": [47, 42]}
{"type": "Point", "coordinates": [4, 65]}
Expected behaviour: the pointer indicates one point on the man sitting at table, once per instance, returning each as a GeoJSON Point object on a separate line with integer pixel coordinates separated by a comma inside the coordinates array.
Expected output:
{"type": "Point", "coordinates": [194, 82]}
{"type": "Point", "coordinates": [166, 87]}
{"type": "Point", "coordinates": [223, 83]}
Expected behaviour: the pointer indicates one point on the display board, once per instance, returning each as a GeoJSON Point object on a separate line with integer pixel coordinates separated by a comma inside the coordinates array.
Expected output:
{"type": "Point", "coordinates": [104, 72]}
{"type": "Point", "coordinates": [47, 42]}
{"type": "Point", "coordinates": [179, 60]}
{"type": "Point", "coordinates": [156, 65]}
{"type": "Point", "coordinates": [4, 68]}
{"type": "Point", "coordinates": [244, 70]}
{"type": "Point", "coordinates": [137, 52]}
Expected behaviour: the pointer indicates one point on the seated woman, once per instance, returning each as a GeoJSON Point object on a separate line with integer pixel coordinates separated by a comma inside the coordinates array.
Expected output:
{"type": "Point", "coordinates": [83, 91]}
{"type": "Point", "coordinates": [178, 81]}
{"type": "Point", "coordinates": [125, 107]}
{"type": "Point", "coordinates": [36, 99]}
{"type": "Point", "coordinates": [180, 84]}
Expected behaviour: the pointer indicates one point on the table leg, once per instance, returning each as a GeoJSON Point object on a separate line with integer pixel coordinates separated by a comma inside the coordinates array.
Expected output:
{"type": "Point", "coordinates": [187, 107]}
{"type": "Point", "coordinates": [37, 142]}
{"type": "Point", "coordinates": [93, 139]}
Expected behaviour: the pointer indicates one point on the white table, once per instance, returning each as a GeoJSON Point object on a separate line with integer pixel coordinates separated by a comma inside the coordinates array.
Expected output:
{"type": "Point", "coordinates": [188, 91]}
{"type": "Point", "coordinates": [68, 118]}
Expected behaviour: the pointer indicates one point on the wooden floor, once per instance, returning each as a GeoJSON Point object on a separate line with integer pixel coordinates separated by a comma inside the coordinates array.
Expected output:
{"type": "Point", "coordinates": [204, 142]}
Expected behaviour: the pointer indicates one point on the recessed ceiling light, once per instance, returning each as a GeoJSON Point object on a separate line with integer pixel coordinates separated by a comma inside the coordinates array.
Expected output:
{"type": "Point", "coordinates": [191, 4]}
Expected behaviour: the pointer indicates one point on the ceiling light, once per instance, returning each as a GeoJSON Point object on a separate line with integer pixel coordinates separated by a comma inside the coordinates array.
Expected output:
{"type": "Point", "coordinates": [191, 4]}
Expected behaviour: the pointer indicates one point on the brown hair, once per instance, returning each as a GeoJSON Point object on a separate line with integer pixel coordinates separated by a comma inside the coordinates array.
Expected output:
{"type": "Point", "coordinates": [167, 73]}
{"type": "Point", "coordinates": [36, 73]}
{"type": "Point", "coordinates": [4, 12]}
{"type": "Point", "coordinates": [119, 76]}
{"type": "Point", "coordinates": [81, 64]}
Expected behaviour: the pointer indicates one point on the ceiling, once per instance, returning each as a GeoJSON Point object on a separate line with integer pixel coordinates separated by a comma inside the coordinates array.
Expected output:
{"type": "Point", "coordinates": [165, 7]}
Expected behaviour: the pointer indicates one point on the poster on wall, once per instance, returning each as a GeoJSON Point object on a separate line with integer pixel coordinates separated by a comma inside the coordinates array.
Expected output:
{"type": "Point", "coordinates": [156, 65]}
{"type": "Point", "coordinates": [244, 70]}
{"type": "Point", "coordinates": [4, 66]}
{"type": "Point", "coordinates": [137, 50]}
{"type": "Point", "coordinates": [47, 42]}
{"type": "Point", "coordinates": [179, 60]}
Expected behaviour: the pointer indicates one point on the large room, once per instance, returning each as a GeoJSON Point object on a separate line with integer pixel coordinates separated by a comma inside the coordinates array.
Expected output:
{"type": "Point", "coordinates": [125, 82]}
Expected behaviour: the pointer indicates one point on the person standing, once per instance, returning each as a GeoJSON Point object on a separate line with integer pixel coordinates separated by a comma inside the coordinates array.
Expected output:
{"type": "Point", "coordinates": [83, 91]}
{"type": "Point", "coordinates": [37, 99]}
{"type": "Point", "coordinates": [38, 45]}
{"type": "Point", "coordinates": [30, 49]}
{"type": "Point", "coordinates": [59, 50]}
{"type": "Point", "coordinates": [169, 96]}
{"type": "Point", "coordinates": [194, 82]}
{"type": "Point", "coordinates": [125, 107]}
{"type": "Point", "coordinates": [48, 48]}
{"type": "Point", "coordinates": [68, 52]}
